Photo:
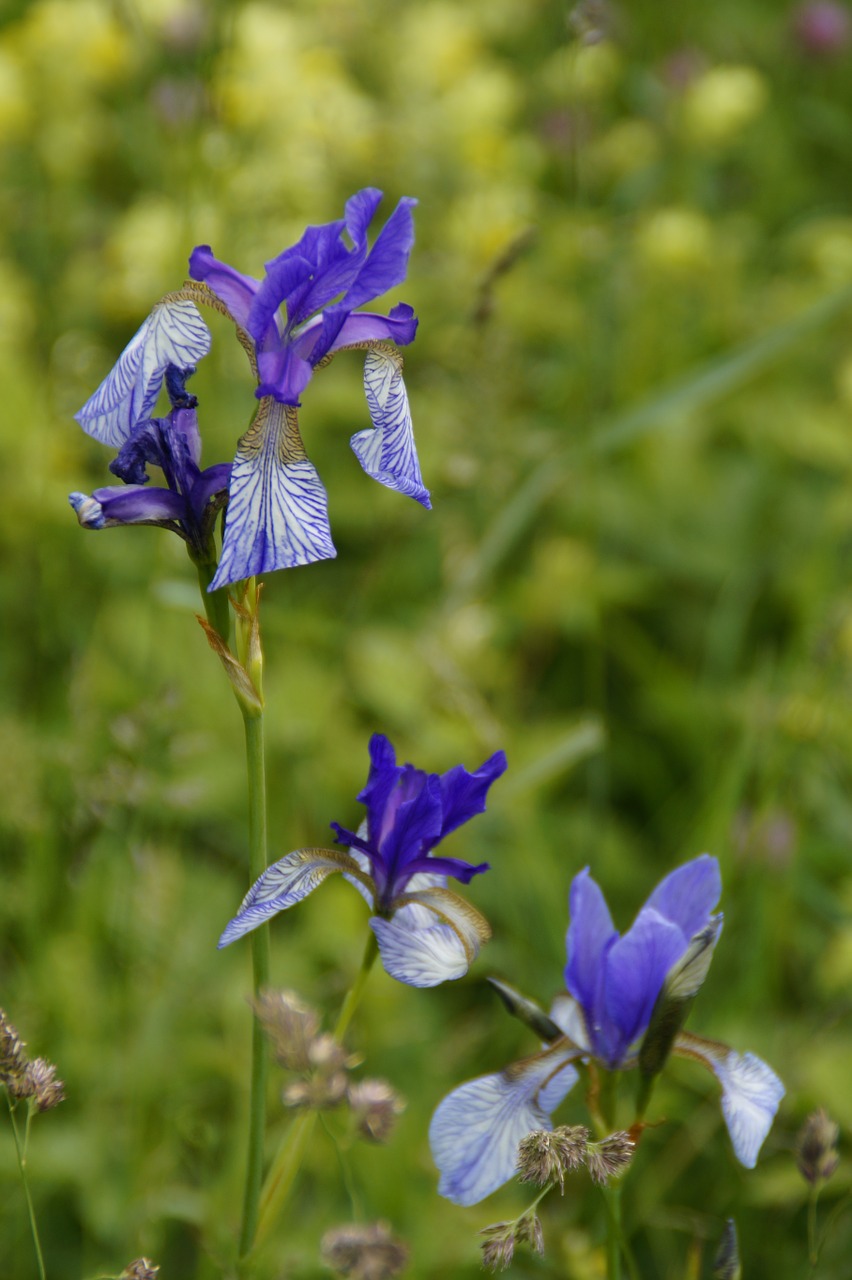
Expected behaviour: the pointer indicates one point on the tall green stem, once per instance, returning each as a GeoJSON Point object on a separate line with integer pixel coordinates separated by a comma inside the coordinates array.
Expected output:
{"type": "Point", "coordinates": [612, 1193]}
{"type": "Point", "coordinates": [612, 1196]}
{"type": "Point", "coordinates": [22, 1167]}
{"type": "Point", "coordinates": [260, 973]}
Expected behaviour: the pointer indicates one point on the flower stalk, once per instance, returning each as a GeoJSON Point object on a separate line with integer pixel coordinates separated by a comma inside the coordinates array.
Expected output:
{"type": "Point", "coordinates": [250, 656]}
{"type": "Point", "coordinates": [20, 1151]}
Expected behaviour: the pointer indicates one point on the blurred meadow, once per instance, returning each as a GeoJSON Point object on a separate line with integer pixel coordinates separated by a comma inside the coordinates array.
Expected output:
{"type": "Point", "coordinates": [632, 394]}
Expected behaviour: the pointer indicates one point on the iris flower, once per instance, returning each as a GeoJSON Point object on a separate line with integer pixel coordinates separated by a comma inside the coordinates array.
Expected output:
{"type": "Point", "coordinates": [426, 933]}
{"type": "Point", "coordinates": [193, 498]}
{"type": "Point", "coordinates": [276, 504]}
{"type": "Point", "coordinates": [614, 983]}
{"type": "Point", "coordinates": [277, 513]}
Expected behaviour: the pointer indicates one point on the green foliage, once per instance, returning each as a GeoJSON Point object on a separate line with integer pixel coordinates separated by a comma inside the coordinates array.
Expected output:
{"type": "Point", "coordinates": [632, 390]}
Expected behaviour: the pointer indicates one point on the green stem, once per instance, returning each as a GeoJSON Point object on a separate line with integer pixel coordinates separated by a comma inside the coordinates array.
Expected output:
{"type": "Point", "coordinates": [215, 602]}
{"type": "Point", "coordinates": [353, 995]}
{"type": "Point", "coordinates": [260, 973]}
{"type": "Point", "coordinates": [282, 1175]}
{"type": "Point", "coordinates": [813, 1247]}
{"type": "Point", "coordinates": [22, 1167]}
{"type": "Point", "coordinates": [612, 1197]}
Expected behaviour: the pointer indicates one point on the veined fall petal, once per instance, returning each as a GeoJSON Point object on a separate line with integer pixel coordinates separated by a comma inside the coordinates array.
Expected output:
{"type": "Point", "coordinates": [173, 335]}
{"type": "Point", "coordinates": [424, 952]}
{"type": "Point", "coordinates": [277, 514]}
{"type": "Point", "coordinates": [386, 450]}
{"type": "Point", "coordinates": [751, 1092]}
{"type": "Point", "coordinates": [285, 883]}
{"type": "Point", "coordinates": [476, 1130]}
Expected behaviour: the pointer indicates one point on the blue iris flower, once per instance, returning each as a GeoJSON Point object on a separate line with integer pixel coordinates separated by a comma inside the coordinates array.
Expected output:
{"type": "Point", "coordinates": [425, 932]}
{"type": "Point", "coordinates": [192, 499]}
{"type": "Point", "coordinates": [294, 320]}
{"type": "Point", "coordinates": [277, 514]}
{"type": "Point", "coordinates": [613, 984]}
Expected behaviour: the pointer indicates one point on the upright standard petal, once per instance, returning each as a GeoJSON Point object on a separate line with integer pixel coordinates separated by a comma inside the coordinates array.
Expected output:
{"type": "Point", "coordinates": [636, 967]}
{"type": "Point", "coordinates": [386, 451]}
{"type": "Point", "coordinates": [463, 794]}
{"type": "Point", "coordinates": [231, 287]}
{"type": "Point", "coordinates": [174, 334]}
{"type": "Point", "coordinates": [751, 1092]}
{"type": "Point", "coordinates": [688, 894]}
{"type": "Point", "coordinates": [285, 883]}
{"type": "Point", "coordinates": [476, 1130]}
{"type": "Point", "coordinates": [277, 513]}
{"type": "Point", "coordinates": [590, 935]}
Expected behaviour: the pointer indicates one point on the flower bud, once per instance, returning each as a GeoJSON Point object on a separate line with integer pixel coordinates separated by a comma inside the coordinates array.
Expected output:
{"type": "Point", "coordinates": [816, 1147]}
{"type": "Point", "coordinates": [726, 1264]}
{"type": "Point", "coordinates": [527, 1011]}
{"type": "Point", "coordinates": [682, 983]}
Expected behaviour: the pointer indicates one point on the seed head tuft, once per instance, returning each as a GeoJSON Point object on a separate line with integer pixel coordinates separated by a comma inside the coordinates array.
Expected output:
{"type": "Point", "coordinates": [362, 1252]}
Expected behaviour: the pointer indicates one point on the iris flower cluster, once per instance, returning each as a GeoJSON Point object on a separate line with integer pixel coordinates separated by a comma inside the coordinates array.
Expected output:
{"type": "Point", "coordinates": [621, 991]}
{"type": "Point", "coordinates": [425, 932]}
{"type": "Point", "coordinates": [294, 320]}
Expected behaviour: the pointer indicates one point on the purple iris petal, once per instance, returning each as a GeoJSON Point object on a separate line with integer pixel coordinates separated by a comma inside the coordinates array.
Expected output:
{"type": "Point", "coordinates": [590, 935]}
{"type": "Point", "coordinates": [463, 794]}
{"type": "Point", "coordinates": [617, 980]}
{"type": "Point", "coordinates": [174, 445]}
{"type": "Point", "coordinates": [138, 504]}
{"type": "Point", "coordinates": [408, 814]}
{"type": "Point", "coordinates": [688, 894]}
{"type": "Point", "coordinates": [399, 326]}
{"type": "Point", "coordinates": [231, 287]}
{"type": "Point", "coordinates": [302, 310]}
{"type": "Point", "coordinates": [212, 481]}
{"type": "Point", "coordinates": [636, 966]}
{"type": "Point", "coordinates": [306, 279]}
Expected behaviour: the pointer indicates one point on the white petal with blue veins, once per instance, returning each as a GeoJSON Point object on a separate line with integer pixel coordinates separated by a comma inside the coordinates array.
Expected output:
{"type": "Point", "coordinates": [751, 1092]}
{"type": "Point", "coordinates": [173, 334]}
{"type": "Point", "coordinates": [476, 1130]}
{"type": "Point", "coordinates": [282, 885]}
{"type": "Point", "coordinates": [277, 510]}
{"type": "Point", "coordinates": [417, 956]}
{"type": "Point", "coordinates": [386, 450]}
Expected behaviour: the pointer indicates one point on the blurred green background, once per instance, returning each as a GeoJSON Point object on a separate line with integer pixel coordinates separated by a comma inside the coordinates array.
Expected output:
{"type": "Point", "coordinates": [632, 391]}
